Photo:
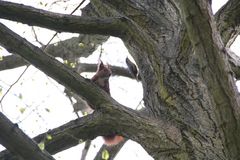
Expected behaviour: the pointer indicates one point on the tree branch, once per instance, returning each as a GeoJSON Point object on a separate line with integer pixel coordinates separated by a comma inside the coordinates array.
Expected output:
{"type": "Point", "coordinates": [207, 45]}
{"type": "Point", "coordinates": [228, 22]}
{"type": "Point", "coordinates": [19, 143]}
{"type": "Point", "coordinates": [62, 22]}
{"type": "Point", "coordinates": [234, 61]}
{"type": "Point", "coordinates": [85, 149]}
{"type": "Point", "coordinates": [70, 134]}
{"type": "Point", "coordinates": [90, 126]}
{"type": "Point", "coordinates": [120, 120]}
{"type": "Point", "coordinates": [68, 49]}
{"type": "Point", "coordinates": [17, 45]}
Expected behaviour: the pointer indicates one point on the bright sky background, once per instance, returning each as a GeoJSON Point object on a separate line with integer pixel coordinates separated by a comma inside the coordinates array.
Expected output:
{"type": "Point", "coordinates": [37, 103]}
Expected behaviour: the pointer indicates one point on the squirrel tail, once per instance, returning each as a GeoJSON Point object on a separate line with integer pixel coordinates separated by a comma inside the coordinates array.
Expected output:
{"type": "Point", "coordinates": [112, 140]}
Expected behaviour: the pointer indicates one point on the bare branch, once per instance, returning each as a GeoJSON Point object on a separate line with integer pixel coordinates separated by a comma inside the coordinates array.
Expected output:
{"type": "Point", "coordinates": [70, 134]}
{"type": "Point", "coordinates": [85, 149]}
{"type": "Point", "coordinates": [228, 22]}
{"type": "Point", "coordinates": [90, 126]}
{"type": "Point", "coordinates": [68, 49]}
{"type": "Point", "coordinates": [19, 143]}
{"type": "Point", "coordinates": [20, 76]}
{"type": "Point", "coordinates": [48, 64]}
{"type": "Point", "coordinates": [62, 22]}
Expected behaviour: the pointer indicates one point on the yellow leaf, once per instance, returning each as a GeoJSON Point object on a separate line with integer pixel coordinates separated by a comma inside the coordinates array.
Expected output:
{"type": "Point", "coordinates": [49, 137]}
{"type": "Point", "coordinates": [105, 154]}
{"type": "Point", "coordinates": [41, 145]}
{"type": "Point", "coordinates": [65, 61]}
{"type": "Point", "coordinates": [81, 45]}
{"type": "Point", "coordinates": [72, 65]}
{"type": "Point", "coordinates": [22, 110]}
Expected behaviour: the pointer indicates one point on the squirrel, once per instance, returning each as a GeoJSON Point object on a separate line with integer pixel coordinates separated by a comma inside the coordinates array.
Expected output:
{"type": "Point", "coordinates": [101, 79]}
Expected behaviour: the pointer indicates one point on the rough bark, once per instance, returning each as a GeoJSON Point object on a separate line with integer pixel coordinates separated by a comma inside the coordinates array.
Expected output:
{"type": "Point", "coordinates": [188, 84]}
{"type": "Point", "coordinates": [215, 71]}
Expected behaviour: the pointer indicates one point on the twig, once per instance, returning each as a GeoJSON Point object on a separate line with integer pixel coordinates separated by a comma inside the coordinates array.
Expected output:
{"type": "Point", "coordinates": [85, 150]}
{"type": "Point", "coordinates": [35, 36]}
{"type": "Point", "coordinates": [12, 86]}
{"type": "Point", "coordinates": [58, 32]}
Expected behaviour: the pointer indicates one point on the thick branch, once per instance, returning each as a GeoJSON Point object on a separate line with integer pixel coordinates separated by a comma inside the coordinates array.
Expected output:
{"type": "Point", "coordinates": [19, 143]}
{"type": "Point", "coordinates": [228, 21]}
{"type": "Point", "coordinates": [68, 49]}
{"type": "Point", "coordinates": [96, 124]}
{"type": "Point", "coordinates": [234, 61]}
{"type": "Point", "coordinates": [70, 134]}
{"type": "Point", "coordinates": [62, 22]}
{"type": "Point", "coordinates": [49, 65]}
{"type": "Point", "coordinates": [162, 138]}
{"type": "Point", "coordinates": [215, 69]}
{"type": "Point", "coordinates": [228, 24]}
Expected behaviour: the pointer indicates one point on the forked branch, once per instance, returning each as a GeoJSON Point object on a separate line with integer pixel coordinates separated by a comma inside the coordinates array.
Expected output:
{"type": "Point", "coordinates": [228, 22]}
{"type": "Point", "coordinates": [120, 120]}
{"type": "Point", "coordinates": [13, 138]}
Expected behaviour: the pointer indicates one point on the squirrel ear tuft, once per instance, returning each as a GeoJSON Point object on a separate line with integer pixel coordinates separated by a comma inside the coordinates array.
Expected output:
{"type": "Point", "coordinates": [100, 65]}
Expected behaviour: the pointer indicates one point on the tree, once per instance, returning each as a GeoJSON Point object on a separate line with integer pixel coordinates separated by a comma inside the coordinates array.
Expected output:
{"type": "Point", "coordinates": [187, 72]}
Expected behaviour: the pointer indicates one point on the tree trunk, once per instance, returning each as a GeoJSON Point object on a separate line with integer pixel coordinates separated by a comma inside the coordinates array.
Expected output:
{"type": "Point", "coordinates": [181, 86]}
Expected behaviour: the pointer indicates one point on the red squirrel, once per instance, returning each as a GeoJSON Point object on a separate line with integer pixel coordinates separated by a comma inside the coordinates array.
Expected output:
{"type": "Point", "coordinates": [101, 78]}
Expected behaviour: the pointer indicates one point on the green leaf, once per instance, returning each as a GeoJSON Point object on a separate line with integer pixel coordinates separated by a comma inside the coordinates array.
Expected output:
{"type": "Point", "coordinates": [105, 154]}
{"type": "Point", "coordinates": [49, 137]}
{"type": "Point", "coordinates": [41, 145]}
